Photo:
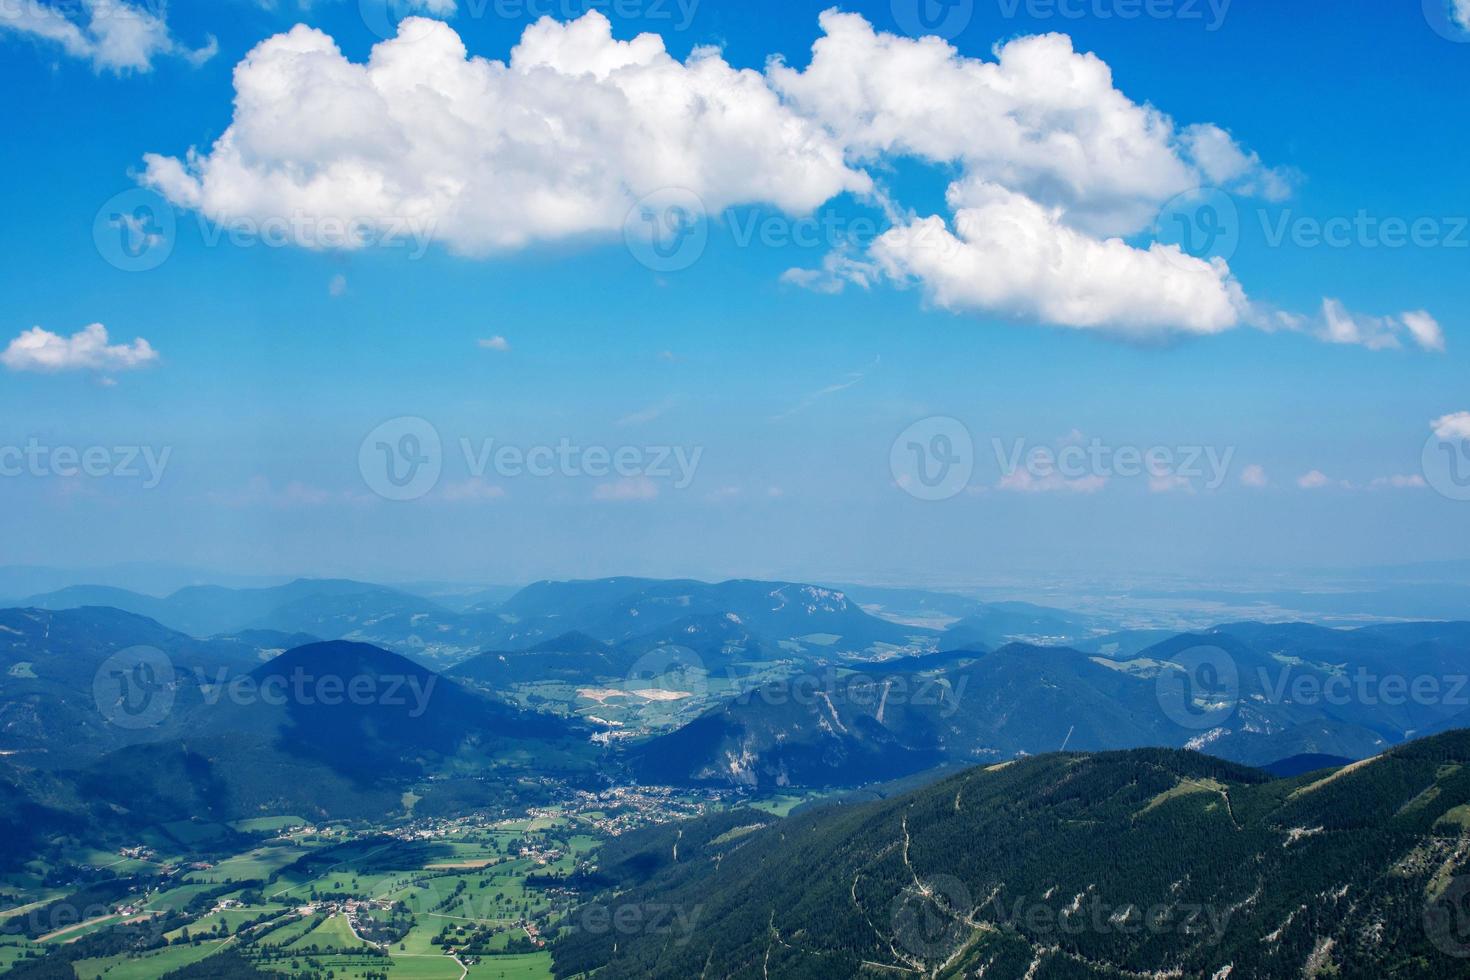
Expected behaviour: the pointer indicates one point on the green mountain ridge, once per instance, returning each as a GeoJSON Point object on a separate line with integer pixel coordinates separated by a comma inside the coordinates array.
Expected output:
{"type": "Point", "coordinates": [1141, 863]}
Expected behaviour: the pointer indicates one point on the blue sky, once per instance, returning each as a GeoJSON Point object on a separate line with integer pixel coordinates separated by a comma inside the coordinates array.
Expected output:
{"type": "Point", "coordinates": [273, 364]}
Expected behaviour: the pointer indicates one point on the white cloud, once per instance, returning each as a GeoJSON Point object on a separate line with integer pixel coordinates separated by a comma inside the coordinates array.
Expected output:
{"type": "Point", "coordinates": [627, 489]}
{"type": "Point", "coordinates": [495, 343]}
{"type": "Point", "coordinates": [646, 414]}
{"type": "Point", "coordinates": [1224, 163]}
{"type": "Point", "coordinates": [1453, 426]}
{"type": "Point", "coordinates": [338, 286]}
{"type": "Point", "coordinates": [1008, 254]}
{"type": "Point", "coordinates": [1169, 483]}
{"type": "Point", "coordinates": [1315, 480]}
{"type": "Point", "coordinates": [1408, 482]}
{"type": "Point", "coordinates": [1424, 328]}
{"type": "Point", "coordinates": [1022, 480]}
{"type": "Point", "coordinates": [472, 491]}
{"type": "Point", "coordinates": [1041, 119]}
{"type": "Point", "coordinates": [839, 270]}
{"type": "Point", "coordinates": [115, 35]}
{"type": "Point", "coordinates": [1340, 326]}
{"type": "Point", "coordinates": [1055, 165]}
{"type": "Point", "coordinates": [1460, 10]}
{"type": "Point", "coordinates": [854, 378]}
{"type": "Point", "coordinates": [1254, 476]}
{"type": "Point", "coordinates": [558, 142]}
{"type": "Point", "coordinates": [259, 491]}
{"type": "Point", "coordinates": [86, 350]}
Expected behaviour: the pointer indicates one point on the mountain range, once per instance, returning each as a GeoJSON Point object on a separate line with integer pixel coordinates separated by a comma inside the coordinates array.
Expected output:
{"type": "Point", "coordinates": [1146, 863]}
{"type": "Point", "coordinates": [1249, 692]}
{"type": "Point", "coordinates": [610, 610]}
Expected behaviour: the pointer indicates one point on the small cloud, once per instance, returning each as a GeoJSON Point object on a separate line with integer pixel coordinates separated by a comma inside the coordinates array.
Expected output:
{"type": "Point", "coordinates": [1315, 480]}
{"type": "Point", "coordinates": [723, 494]}
{"type": "Point", "coordinates": [668, 356]}
{"type": "Point", "coordinates": [854, 378]}
{"type": "Point", "coordinates": [472, 491]}
{"type": "Point", "coordinates": [338, 285]}
{"type": "Point", "coordinates": [1410, 482]}
{"type": "Point", "coordinates": [1453, 426]}
{"type": "Point", "coordinates": [630, 488]}
{"type": "Point", "coordinates": [86, 350]}
{"type": "Point", "coordinates": [1425, 330]}
{"type": "Point", "coordinates": [1023, 481]}
{"type": "Point", "coordinates": [1341, 326]}
{"type": "Point", "coordinates": [496, 343]}
{"type": "Point", "coordinates": [1169, 483]}
{"type": "Point", "coordinates": [645, 415]}
{"type": "Point", "coordinates": [1254, 476]}
{"type": "Point", "coordinates": [260, 492]}
{"type": "Point", "coordinates": [838, 270]}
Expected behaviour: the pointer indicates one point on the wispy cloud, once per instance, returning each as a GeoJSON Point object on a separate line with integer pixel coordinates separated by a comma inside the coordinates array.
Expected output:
{"type": "Point", "coordinates": [853, 378]}
{"type": "Point", "coordinates": [1341, 326]}
{"type": "Point", "coordinates": [113, 35]}
{"type": "Point", "coordinates": [1023, 480]}
{"type": "Point", "coordinates": [633, 488]}
{"type": "Point", "coordinates": [472, 491]}
{"type": "Point", "coordinates": [1411, 481]}
{"type": "Point", "coordinates": [261, 492]}
{"type": "Point", "coordinates": [646, 414]}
